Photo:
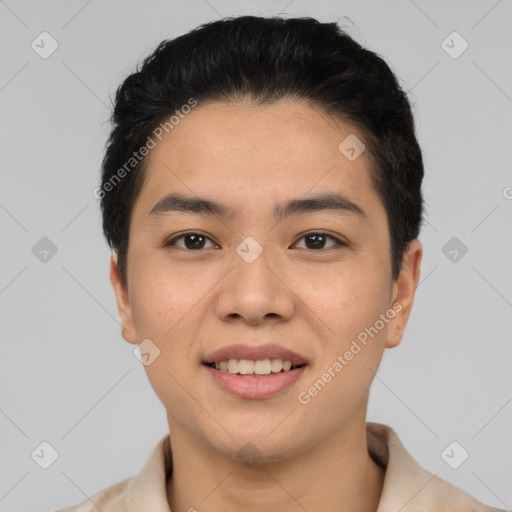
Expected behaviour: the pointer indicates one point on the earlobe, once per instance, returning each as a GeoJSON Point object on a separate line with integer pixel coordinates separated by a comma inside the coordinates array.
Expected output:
{"type": "Point", "coordinates": [128, 330]}
{"type": "Point", "coordinates": [404, 290]}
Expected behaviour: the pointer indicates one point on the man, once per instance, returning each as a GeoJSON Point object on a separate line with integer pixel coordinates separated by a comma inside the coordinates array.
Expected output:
{"type": "Point", "coordinates": [261, 192]}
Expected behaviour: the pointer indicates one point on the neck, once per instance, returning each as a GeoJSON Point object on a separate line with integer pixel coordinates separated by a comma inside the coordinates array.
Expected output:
{"type": "Point", "coordinates": [336, 475]}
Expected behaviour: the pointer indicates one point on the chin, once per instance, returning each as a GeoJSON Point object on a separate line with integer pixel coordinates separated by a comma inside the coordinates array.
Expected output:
{"type": "Point", "coordinates": [255, 444]}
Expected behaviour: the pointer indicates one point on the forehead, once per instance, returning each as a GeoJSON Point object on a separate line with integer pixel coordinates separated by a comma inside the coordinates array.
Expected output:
{"type": "Point", "coordinates": [253, 153]}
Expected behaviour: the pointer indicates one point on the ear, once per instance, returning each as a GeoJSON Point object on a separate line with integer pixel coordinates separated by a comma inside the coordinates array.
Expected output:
{"type": "Point", "coordinates": [404, 289]}
{"type": "Point", "coordinates": [128, 330]}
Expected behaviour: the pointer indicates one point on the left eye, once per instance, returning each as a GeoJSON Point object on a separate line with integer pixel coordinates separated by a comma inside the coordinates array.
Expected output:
{"type": "Point", "coordinates": [318, 239]}
{"type": "Point", "coordinates": [196, 241]}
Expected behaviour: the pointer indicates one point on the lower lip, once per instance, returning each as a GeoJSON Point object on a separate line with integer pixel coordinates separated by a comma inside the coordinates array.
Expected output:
{"type": "Point", "coordinates": [255, 387]}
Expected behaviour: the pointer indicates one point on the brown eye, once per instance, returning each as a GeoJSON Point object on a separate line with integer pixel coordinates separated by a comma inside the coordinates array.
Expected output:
{"type": "Point", "coordinates": [316, 241]}
{"type": "Point", "coordinates": [191, 241]}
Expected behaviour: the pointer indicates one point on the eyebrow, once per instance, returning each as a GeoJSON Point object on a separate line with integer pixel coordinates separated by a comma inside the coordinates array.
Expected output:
{"type": "Point", "coordinates": [199, 205]}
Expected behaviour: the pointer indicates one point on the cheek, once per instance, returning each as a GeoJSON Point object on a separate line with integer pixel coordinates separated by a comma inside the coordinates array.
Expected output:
{"type": "Point", "coordinates": [351, 306]}
{"type": "Point", "coordinates": [353, 299]}
{"type": "Point", "coordinates": [353, 346]}
{"type": "Point", "coordinates": [158, 303]}
{"type": "Point", "coordinates": [163, 310]}
{"type": "Point", "coordinates": [168, 308]}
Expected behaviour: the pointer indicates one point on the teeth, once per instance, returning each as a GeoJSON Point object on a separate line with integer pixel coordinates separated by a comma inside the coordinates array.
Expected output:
{"type": "Point", "coordinates": [245, 366]}
{"type": "Point", "coordinates": [276, 365]}
{"type": "Point", "coordinates": [249, 367]}
{"type": "Point", "coordinates": [232, 365]}
{"type": "Point", "coordinates": [262, 367]}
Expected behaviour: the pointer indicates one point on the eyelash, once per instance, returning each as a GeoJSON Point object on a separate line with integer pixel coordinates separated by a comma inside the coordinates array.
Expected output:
{"type": "Point", "coordinates": [337, 242]}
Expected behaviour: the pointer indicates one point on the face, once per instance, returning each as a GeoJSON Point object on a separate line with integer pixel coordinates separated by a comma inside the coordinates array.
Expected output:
{"type": "Point", "coordinates": [261, 281]}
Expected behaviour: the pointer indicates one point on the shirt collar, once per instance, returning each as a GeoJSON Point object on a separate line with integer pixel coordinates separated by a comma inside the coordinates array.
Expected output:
{"type": "Point", "coordinates": [407, 486]}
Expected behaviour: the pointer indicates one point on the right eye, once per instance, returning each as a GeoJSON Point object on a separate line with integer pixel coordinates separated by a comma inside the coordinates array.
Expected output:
{"type": "Point", "coordinates": [192, 241]}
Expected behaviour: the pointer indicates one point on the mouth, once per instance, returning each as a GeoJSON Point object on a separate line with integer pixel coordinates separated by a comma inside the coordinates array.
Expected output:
{"type": "Point", "coordinates": [254, 372]}
{"type": "Point", "coordinates": [251, 368]}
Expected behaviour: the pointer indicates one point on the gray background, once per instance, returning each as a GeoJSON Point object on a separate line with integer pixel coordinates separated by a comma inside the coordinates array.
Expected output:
{"type": "Point", "coordinates": [66, 375]}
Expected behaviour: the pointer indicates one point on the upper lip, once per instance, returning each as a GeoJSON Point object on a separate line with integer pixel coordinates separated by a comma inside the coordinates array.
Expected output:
{"type": "Point", "coordinates": [269, 351]}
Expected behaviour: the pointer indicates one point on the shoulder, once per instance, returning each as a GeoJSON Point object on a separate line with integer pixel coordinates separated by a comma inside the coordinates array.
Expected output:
{"type": "Point", "coordinates": [143, 491]}
{"type": "Point", "coordinates": [111, 499]}
{"type": "Point", "coordinates": [410, 487]}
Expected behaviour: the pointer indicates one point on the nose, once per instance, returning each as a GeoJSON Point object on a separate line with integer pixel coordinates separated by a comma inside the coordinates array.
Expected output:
{"type": "Point", "coordinates": [255, 292]}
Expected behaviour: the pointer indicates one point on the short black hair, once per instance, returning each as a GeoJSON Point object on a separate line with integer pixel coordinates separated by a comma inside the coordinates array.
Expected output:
{"type": "Point", "coordinates": [265, 59]}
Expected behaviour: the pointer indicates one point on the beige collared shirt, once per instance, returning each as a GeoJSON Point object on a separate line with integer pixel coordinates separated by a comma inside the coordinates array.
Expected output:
{"type": "Point", "coordinates": [407, 486]}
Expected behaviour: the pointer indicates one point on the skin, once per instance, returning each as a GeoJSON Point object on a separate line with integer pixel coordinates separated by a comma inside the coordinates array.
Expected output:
{"type": "Point", "coordinates": [315, 301]}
